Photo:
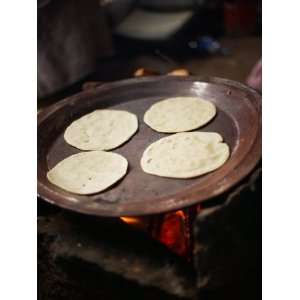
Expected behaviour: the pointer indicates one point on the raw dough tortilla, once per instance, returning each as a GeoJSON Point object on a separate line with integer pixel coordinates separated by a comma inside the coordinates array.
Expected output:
{"type": "Point", "coordinates": [103, 129]}
{"type": "Point", "coordinates": [88, 172]}
{"type": "Point", "coordinates": [185, 155]}
{"type": "Point", "coordinates": [179, 114]}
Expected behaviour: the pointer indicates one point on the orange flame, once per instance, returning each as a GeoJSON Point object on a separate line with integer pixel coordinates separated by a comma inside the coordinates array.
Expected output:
{"type": "Point", "coordinates": [138, 223]}
{"type": "Point", "coordinates": [130, 220]}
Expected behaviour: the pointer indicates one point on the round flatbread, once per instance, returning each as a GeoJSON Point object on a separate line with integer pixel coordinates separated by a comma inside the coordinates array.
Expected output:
{"type": "Point", "coordinates": [102, 129]}
{"type": "Point", "coordinates": [179, 114]}
{"type": "Point", "coordinates": [185, 155]}
{"type": "Point", "coordinates": [88, 172]}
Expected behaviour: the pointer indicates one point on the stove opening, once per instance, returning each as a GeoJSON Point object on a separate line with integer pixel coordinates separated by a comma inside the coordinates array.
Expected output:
{"type": "Point", "coordinates": [173, 229]}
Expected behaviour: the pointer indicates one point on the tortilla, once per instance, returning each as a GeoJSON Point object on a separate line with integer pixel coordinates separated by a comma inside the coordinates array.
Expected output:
{"type": "Point", "coordinates": [185, 155]}
{"type": "Point", "coordinates": [179, 114]}
{"type": "Point", "coordinates": [88, 172]}
{"type": "Point", "coordinates": [101, 130]}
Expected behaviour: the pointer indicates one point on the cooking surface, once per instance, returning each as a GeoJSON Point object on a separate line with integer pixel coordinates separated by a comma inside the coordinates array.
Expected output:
{"type": "Point", "coordinates": [148, 186]}
{"type": "Point", "coordinates": [237, 120]}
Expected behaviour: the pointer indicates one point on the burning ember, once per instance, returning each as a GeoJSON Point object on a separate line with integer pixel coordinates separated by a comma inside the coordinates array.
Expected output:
{"type": "Point", "coordinates": [173, 232]}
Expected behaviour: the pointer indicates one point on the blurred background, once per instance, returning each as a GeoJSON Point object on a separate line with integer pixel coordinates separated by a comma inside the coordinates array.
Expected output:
{"type": "Point", "coordinates": [85, 40]}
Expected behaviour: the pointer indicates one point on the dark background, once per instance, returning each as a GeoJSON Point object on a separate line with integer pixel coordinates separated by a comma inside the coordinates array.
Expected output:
{"type": "Point", "coordinates": [81, 41]}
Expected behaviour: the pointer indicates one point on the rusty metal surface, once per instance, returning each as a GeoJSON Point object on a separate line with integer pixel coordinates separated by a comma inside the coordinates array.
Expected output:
{"type": "Point", "coordinates": [238, 120]}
